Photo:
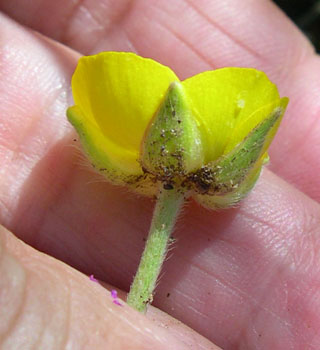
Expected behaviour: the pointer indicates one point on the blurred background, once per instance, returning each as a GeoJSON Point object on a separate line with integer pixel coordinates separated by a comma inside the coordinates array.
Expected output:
{"type": "Point", "coordinates": [306, 14]}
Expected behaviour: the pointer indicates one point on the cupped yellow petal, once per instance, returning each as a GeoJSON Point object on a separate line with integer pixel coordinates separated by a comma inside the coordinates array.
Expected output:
{"type": "Point", "coordinates": [118, 164]}
{"type": "Point", "coordinates": [120, 92]}
{"type": "Point", "coordinates": [222, 98]}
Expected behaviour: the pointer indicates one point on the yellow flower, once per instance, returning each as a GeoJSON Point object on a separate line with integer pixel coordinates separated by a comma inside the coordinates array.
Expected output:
{"type": "Point", "coordinates": [125, 109]}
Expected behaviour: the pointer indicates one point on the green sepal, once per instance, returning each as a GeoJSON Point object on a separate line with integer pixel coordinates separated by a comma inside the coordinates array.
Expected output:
{"type": "Point", "coordinates": [232, 198]}
{"type": "Point", "coordinates": [235, 173]}
{"type": "Point", "coordinates": [172, 146]}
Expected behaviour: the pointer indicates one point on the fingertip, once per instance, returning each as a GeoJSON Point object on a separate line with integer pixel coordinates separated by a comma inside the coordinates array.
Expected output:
{"type": "Point", "coordinates": [47, 304]}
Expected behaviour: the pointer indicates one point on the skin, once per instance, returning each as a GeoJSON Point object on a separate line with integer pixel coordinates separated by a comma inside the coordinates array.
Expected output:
{"type": "Point", "coordinates": [245, 278]}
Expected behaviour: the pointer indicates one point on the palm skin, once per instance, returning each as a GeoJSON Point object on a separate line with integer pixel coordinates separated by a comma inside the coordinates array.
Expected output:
{"type": "Point", "coordinates": [246, 278]}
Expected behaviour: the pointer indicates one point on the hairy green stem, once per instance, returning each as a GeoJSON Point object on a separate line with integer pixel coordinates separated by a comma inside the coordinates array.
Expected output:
{"type": "Point", "coordinates": [164, 217]}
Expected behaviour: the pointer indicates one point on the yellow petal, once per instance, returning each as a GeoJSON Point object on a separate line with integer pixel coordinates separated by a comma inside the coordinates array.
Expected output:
{"type": "Point", "coordinates": [119, 93]}
{"type": "Point", "coordinates": [222, 98]}
{"type": "Point", "coordinates": [108, 158]}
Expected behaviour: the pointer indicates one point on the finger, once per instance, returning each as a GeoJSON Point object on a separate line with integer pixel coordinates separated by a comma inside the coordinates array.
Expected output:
{"type": "Point", "coordinates": [245, 261]}
{"type": "Point", "coordinates": [204, 35]}
{"type": "Point", "coordinates": [247, 270]}
{"type": "Point", "coordinates": [295, 152]}
{"type": "Point", "coordinates": [207, 35]}
{"type": "Point", "coordinates": [47, 305]}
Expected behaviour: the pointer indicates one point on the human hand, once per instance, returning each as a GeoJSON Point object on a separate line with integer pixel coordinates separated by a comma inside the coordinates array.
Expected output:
{"type": "Point", "coordinates": [244, 278]}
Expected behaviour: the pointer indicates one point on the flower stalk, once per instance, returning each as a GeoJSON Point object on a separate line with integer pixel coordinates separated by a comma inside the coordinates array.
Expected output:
{"type": "Point", "coordinates": [167, 208]}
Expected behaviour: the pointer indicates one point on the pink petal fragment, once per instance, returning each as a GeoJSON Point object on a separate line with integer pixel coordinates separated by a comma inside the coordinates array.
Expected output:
{"type": "Point", "coordinates": [93, 279]}
{"type": "Point", "coordinates": [114, 296]}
